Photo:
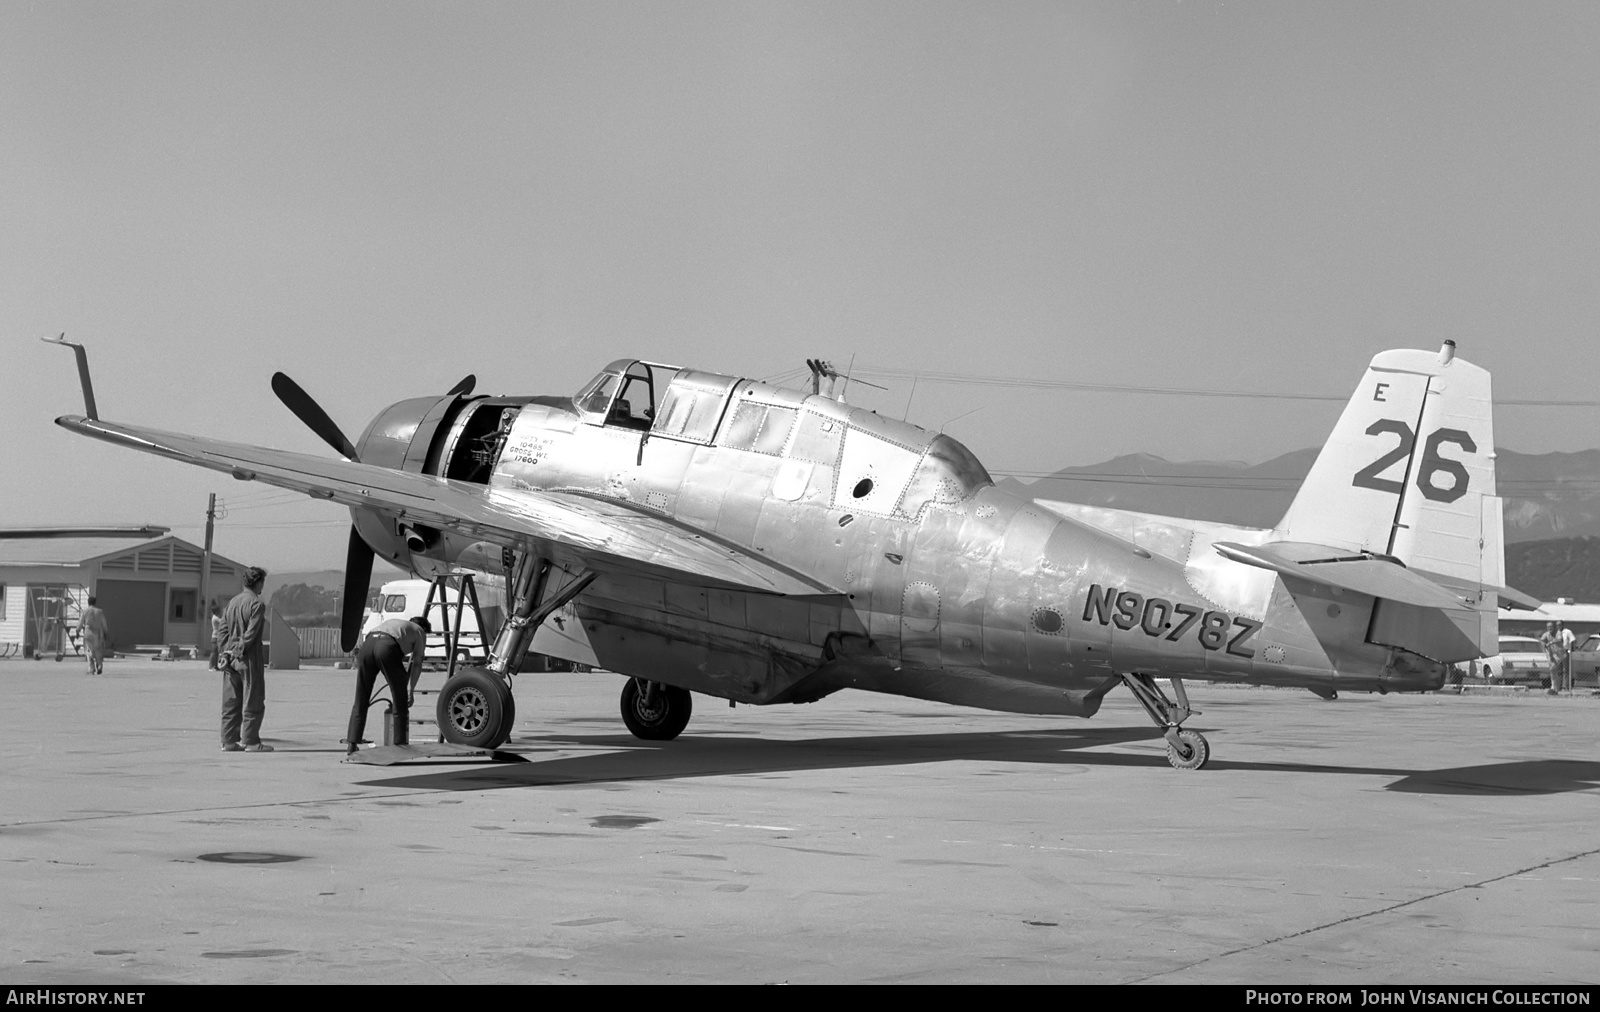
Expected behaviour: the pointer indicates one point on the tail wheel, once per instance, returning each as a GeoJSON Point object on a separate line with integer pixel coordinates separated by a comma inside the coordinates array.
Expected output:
{"type": "Point", "coordinates": [476, 709]}
{"type": "Point", "coordinates": [1194, 751]}
{"type": "Point", "coordinates": [655, 712]}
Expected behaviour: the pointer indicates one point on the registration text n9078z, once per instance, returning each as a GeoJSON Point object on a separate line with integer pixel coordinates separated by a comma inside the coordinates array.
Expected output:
{"type": "Point", "coordinates": [1159, 618]}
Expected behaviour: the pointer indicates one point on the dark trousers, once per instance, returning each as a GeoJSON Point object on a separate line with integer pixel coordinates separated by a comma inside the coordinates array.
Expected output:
{"type": "Point", "coordinates": [244, 702]}
{"type": "Point", "coordinates": [381, 653]}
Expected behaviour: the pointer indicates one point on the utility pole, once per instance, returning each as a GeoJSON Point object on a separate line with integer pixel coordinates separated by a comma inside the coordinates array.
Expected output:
{"type": "Point", "coordinates": [205, 579]}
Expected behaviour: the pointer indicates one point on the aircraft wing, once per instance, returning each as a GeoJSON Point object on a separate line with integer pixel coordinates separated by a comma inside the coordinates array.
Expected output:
{"type": "Point", "coordinates": [605, 535]}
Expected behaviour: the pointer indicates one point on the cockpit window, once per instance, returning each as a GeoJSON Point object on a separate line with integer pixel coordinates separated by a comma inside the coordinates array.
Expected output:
{"type": "Point", "coordinates": [692, 406]}
{"type": "Point", "coordinates": [596, 397]}
{"type": "Point", "coordinates": [625, 394]}
{"type": "Point", "coordinates": [948, 473]}
{"type": "Point", "coordinates": [763, 428]}
{"type": "Point", "coordinates": [635, 406]}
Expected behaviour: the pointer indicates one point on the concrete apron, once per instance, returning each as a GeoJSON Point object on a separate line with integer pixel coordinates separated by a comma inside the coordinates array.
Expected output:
{"type": "Point", "coordinates": [863, 838]}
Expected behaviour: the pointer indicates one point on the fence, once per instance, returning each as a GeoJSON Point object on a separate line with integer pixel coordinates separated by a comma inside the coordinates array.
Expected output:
{"type": "Point", "coordinates": [319, 642]}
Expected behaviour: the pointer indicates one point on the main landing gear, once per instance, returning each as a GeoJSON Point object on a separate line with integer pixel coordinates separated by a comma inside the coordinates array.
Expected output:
{"type": "Point", "coordinates": [1186, 750]}
{"type": "Point", "coordinates": [476, 707]}
{"type": "Point", "coordinates": [654, 711]}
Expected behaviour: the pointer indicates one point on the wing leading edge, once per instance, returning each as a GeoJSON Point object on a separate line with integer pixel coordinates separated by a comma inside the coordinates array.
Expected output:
{"type": "Point", "coordinates": [605, 535]}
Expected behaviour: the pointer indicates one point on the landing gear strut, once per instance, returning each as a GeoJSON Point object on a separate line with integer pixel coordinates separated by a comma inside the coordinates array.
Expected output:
{"type": "Point", "coordinates": [1186, 750]}
{"type": "Point", "coordinates": [476, 706]}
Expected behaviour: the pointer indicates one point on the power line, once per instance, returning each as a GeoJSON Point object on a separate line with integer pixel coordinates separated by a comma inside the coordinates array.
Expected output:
{"type": "Point", "coordinates": [1134, 388]}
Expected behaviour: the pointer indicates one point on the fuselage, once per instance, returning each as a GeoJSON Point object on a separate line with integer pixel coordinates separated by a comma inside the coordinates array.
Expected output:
{"type": "Point", "coordinates": [946, 586]}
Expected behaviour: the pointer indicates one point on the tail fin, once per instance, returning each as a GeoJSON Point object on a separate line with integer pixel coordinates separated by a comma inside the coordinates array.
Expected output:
{"type": "Point", "coordinates": [1409, 474]}
{"type": "Point", "coordinates": [1409, 471]}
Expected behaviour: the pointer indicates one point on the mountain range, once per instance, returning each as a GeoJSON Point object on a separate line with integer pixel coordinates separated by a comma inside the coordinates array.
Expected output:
{"type": "Point", "coordinates": [1548, 495]}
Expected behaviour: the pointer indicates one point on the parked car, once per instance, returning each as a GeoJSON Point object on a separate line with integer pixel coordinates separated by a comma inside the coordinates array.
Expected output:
{"type": "Point", "coordinates": [1586, 663]}
{"type": "Point", "coordinates": [1521, 661]}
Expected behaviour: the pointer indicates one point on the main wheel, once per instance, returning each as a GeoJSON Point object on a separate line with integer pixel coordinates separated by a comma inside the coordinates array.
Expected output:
{"type": "Point", "coordinates": [662, 718]}
{"type": "Point", "coordinates": [1199, 750]}
{"type": "Point", "coordinates": [476, 709]}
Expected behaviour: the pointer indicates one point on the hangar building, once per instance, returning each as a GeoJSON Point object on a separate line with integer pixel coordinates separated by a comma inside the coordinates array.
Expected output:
{"type": "Point", "coordinates": [149, 590]}
{"type": "Point", "coordinates": [1582, 619]}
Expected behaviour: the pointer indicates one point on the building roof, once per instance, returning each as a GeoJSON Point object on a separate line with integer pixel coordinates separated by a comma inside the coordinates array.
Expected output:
{"type": "Point", "coordinates": [64, 551]}
{"type": "Point", "coordinates": [1553, 612]}
{"type": "Point", "coordinates": [73, 552]}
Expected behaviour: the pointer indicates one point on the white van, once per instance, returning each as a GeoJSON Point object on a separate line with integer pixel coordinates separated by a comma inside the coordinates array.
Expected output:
{"type": "Point", "coordinates": [405, 598]}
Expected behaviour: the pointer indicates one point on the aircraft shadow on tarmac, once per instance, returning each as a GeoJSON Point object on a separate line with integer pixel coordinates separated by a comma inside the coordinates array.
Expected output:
{"type": "Point", "coordinates": [709, 756]}
{"type": "Point", "coordinates": [1531, 776]}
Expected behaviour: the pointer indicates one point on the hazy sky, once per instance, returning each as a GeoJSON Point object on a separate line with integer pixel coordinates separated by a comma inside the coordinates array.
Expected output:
{"type": "Point", "coordinates": [379, 198]}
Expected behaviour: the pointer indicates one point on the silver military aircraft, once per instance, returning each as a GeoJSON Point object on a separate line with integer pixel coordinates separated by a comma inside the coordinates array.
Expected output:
{"type": "Point", "coordinates": [693, 531]}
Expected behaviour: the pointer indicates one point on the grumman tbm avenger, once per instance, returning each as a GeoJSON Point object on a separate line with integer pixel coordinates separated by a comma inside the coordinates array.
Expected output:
{"type": "Point", "coordinates": [696, 532]}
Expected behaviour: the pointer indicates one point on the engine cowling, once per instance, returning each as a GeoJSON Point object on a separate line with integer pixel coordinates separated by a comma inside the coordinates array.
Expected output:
{"type": "Point", "coordinates": [455, 436]}
{"type": "Point", "coordinates": [404, 436]}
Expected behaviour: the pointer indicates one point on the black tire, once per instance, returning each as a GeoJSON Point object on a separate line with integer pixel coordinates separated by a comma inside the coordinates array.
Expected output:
{"type": "Point", "coordinates": [663, 719]}
{"type": "Point", "coordinates": [1199, 750]}
{"type": "Point", "coordinates": [476, 709]}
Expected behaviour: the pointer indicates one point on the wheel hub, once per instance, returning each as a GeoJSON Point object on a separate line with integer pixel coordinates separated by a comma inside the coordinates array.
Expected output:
{"type": "Point", "coordinates": [469, 710]}
{"type": "Point", "coordinates": [649, 714]}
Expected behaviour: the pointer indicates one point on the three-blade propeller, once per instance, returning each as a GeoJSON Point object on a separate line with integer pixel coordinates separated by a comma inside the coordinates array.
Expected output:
{"type": "Point", "coordinates": [359, 556]}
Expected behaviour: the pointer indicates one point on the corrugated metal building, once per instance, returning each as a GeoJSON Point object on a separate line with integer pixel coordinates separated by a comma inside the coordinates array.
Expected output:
{"type": "Point", "coordinates": [149, 590]}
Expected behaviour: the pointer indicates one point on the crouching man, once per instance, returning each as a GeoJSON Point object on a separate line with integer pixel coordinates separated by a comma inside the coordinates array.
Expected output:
{"type": "Point", "coordinates": [395, 647]}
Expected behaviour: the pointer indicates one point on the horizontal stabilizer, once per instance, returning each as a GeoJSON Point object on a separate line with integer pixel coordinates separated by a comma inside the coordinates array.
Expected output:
{"type": "Point", "coordinates": [1516, 599]}
{"type": "Point", "coordinates": [1334, 567]}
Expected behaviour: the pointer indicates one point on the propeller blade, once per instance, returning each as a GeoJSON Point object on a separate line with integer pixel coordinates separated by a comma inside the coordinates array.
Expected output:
{"type": "Point", "coordinates": [357, 579]}
{"type": "Point", "coordinates": [310, 412]}
{"type": "Point", "coordinates": [463, 388]}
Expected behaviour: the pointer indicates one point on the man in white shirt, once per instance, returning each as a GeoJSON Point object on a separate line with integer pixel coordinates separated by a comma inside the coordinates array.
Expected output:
{"type": "Point", "coordinates": [1569, 642]}
{"type": "Point", "coordinates": [396, 648]}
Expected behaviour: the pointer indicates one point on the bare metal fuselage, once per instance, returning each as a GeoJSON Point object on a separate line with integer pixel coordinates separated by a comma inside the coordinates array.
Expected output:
{"type": "Point", "coordinates": [949, 588]}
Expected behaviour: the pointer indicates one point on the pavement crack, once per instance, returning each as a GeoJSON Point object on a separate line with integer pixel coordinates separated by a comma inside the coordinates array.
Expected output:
{"type": "Point", "coordinates": [1371, 913]}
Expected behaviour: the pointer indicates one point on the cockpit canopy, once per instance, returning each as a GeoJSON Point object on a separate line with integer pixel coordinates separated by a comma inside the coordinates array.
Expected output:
{"type": "Point", "coordinates": [882, 466]}
{"type": "Point", "coordinates": [663, 400]}
{"type": "Point", "coordinates": [624, 394]}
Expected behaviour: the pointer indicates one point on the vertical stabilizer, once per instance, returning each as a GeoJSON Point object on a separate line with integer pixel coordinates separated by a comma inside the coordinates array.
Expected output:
{"type": "Point", "coordinates": [1408, 467]}
{"type": "Point", "coordinates": [1409, 473]}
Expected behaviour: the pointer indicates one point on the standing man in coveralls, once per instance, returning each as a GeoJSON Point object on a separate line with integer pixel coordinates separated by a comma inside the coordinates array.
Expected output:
{"type": "Point", "coordinates": [241, 658]}
{"type": "Point", "coordinates": [387, 648]}
{"type": "Point", "coordinates": [95, 632]}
